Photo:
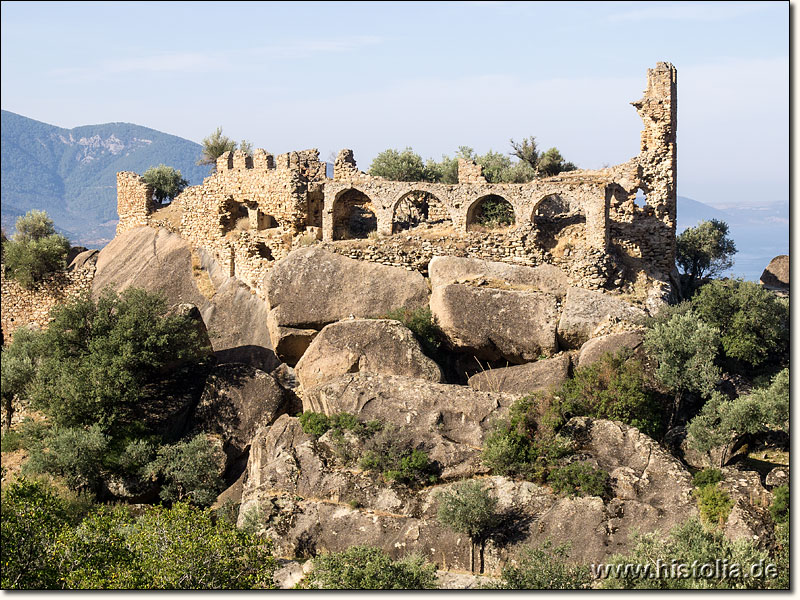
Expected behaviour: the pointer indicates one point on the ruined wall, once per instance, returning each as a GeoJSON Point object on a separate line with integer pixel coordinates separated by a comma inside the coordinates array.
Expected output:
{"type": "Point", "coordinates": [134, 201]}
{"type": "Point", "coordinates": [23, 307]}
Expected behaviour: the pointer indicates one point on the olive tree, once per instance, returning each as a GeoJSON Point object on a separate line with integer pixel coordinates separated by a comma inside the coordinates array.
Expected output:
{"type": "Point", "coordinates": [166, 182]}
{"type": "Point", "coordinates": [704, 251]}
{"type": "Point", "coordinates": [35, 249]}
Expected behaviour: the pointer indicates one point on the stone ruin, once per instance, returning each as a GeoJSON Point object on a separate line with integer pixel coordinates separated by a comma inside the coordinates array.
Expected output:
{"type": "Point", "coordinates": [254, 209]}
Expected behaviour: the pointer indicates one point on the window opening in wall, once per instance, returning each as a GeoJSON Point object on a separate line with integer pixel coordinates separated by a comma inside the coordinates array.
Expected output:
{"type": "Point", "coordinates": [641, 199]}
{"type": "Point", "coordinates": [490, 212]}
{"type": "Point", "coordinates": [417, 209]}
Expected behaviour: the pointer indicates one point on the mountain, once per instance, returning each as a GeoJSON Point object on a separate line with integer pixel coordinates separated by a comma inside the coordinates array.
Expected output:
{"type": "Point", "coordinates": [760, 231]}
{"type": "Point", "coordinates": [71, 173]}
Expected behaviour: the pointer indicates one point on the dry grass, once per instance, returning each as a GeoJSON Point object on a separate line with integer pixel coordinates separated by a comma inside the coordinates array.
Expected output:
{"type": "Point", "coordinates": [171, 213]}
{"type": "Point", "coordinates": [242, 224]}
{"type": "Point", "coordinates": [201, 278]}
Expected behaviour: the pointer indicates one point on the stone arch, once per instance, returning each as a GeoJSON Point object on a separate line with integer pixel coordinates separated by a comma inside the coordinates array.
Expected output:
{"type": "Point", "coordinates": [559, 223]}
{"type": "Point", "coordinates": [491, 210]}
{"type": "Point", "coordinates": [418, 207]}
{"type": "Point", "coordinates": [354, 215]}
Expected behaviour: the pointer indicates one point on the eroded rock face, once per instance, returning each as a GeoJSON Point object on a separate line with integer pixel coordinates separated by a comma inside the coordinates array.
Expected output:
{"type": "Point", "coordinates": [594, 349]}
{"type": "Point", "coordinates": [377, 346]}
{"type": "Point", "coordinates": [491, 324]}
{"type": "Point", "coordinates": [444, 270]}
{"type": "Point", "coordinates": [448, 421]}
{"type": "Point", "coordinates": [160, 261]}
{"type": "Point", "coordinates": [82, 259]}
{"type": "Point", "coordinates": [777, 476]}
{"type": "Point", "coordinates": [523, 379]}
{"type": "Point", "coordinates": [776, 275]}
{"type": "Point", "coordinates": [237, 399]}
{"type": "Point", "coordinates": [585, 310]}
{"type": "Point", "coordinates": [311, 288]}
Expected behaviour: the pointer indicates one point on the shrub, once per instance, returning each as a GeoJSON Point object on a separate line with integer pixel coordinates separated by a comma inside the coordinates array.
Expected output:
{"type": "Point", "coordinates": [192, 471]}
{"type": "Point", "coordinates": [721, 420]}
{"type": "Point", "coordinates": [105, 362]}
{"type": "Point", "coordinates": [779, 509]}
{"type": "Point", "coordinates": [314, 423]}
{"type": "Point", "coordinates": [32, 518]}
{"type": "Point", "coordinates": [707, 477]}
{"type": "Point", "coordinates": [714, 503]}
{"type": "Point", "coordinates": [685, 348]}
{"type": "Point", "coordinates": [35, 250]}
{"type": "Point", "coordinates": [753, 322]}
{"type": "Point", "coordinates": [580, 479]}
{"type": "Point", "coordinates": [495, 212]}
{"type": "Point", "coordinates": [545, 568]}
{"type": "Point", "coordinates": [469, 509]}
{"type": "Point", "coordinates": [74, 454]}
{"type": "Point", "coordinates": [611, 388]}
{"type": "Point", "coordinates": [18, 367]}
{"type": "Point", "coordinates": [368, 568]}
{"type": "Point", "coordinates": [704, 251]}
{"type": "Point", "coordinates": [423, 325]}
{"type": "Point", "coordinates": [392, 453]}
{"type": "Point", "coordinates": [686, 544]}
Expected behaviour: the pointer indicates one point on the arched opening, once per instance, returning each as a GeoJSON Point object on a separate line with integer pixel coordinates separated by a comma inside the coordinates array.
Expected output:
{"type": "Point", "coordinates": [417, 209]}
{"type": "Point", "coordinates": [353, 216]}
{"type": "Point", "coordinates": [640, 200]}
{"type": "Point", "coordinates": [490, 212]}
{"type": "Point", "coordinates": [559, 223]}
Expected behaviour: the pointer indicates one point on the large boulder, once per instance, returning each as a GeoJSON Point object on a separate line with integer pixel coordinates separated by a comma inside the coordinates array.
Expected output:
{"type": "Point", "coordinates": [444, 270]}
{"type": "Point", "coordinates": [491, 324]}
{"type": "Point", "coordinates": [585, 310]}
{"type": "Point", "coordinates": [523, 379]}
{"type": "Point", "coordinates": [160, 261]}
{"type": "Point", "coordinates": [378, 346]}
{"type": "Point", "coordinates": [82, 260]}
{"type": "Point", "coordinates": [311, 288]}
{"type": "Point", "coordinates": [594, 349]}
{"type": "Point", "coordinates": [448, 421]}
{"type": "Point", "coordinates": [236, 401]}
{"type": "Point", "coordinates": [776, 275]}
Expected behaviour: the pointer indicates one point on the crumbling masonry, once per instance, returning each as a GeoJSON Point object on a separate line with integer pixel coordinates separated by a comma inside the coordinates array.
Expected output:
{"type": "Point", "coordinates": [253, 210]}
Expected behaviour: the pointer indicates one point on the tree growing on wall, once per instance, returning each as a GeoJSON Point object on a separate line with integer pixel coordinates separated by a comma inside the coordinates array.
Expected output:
{"type": "Point", "coordinates": [166, 181]}
{"type": "Point", "coordinates": [35, 250]}
{"type": "Point", "coordinates": [214, 146]}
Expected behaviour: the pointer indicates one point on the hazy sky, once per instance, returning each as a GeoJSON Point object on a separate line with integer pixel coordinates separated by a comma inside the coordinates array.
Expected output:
{"type": "Point", "coordinates": [428, 75]}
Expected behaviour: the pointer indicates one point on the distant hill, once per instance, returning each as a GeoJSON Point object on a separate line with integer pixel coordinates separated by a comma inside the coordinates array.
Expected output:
{"type": "Point", "coordinates": [71, 173]}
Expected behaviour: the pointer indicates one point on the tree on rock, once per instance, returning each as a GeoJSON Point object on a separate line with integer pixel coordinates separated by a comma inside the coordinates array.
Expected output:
{"type": "Point", "coordinates": [469, 509]}
{"type": "Point", "coordinates": [704, 251]}
{"type": "Point", "coordinates": [35, 250]}
{"type": "Point", "coordinates": [166, 182]}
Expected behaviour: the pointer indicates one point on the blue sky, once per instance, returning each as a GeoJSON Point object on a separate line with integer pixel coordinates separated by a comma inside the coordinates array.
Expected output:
{"type": "Point", "coordinates": [428, 75]}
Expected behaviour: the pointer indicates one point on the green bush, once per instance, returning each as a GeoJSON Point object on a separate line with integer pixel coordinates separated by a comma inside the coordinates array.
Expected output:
{"type": "Point", "coordinates": [191, 470]}
{"type": "Point", "coordinates": [400, 166]}
{"type": "Point", "coordinates": [74, 454]}
{"type": "Point", "coordinates": [580, 479]}
{"type": "Point", "coordinates": [18, 368]}
{"type": "Point", "coordinates": [393, 454]}
{"type": "Point", "coordinates": [423, 325]}
{"type": "Point", "coordinates": [544, 568]}
{"type": "Point", "coordinates": [494, 212]}
{"type": "Point", "coordinates": [686, 544]}
{"type": "Point", "coordinates": [32, 518]}
{"type": "Point", "coordinates": [707, 477]}
{"type": "Point", "coordinates": [106, 362]}
{"type": "Point", "coordinates": [704, 251]}
{"type": "Point", "coordinates": [314, 423]}
{"type": "Point", "coordinates": [753, 322]}
{"type": "Point", "coordinates": [12, 440]}
{"type": "Point", "coordinates": [721, 420]}
{"type": "Point", "coordinates": [35, 250]}
{"type": "Point", "coordinates": [685, 348]}
{"type": "Point", "coordinates": [368, 568]}
{"type": "Point", "coordinates": [779, 509]}
{"type": "Point", "coordinates": [714, 503]}
{"type": "Point", "coordinates": [613, 388]}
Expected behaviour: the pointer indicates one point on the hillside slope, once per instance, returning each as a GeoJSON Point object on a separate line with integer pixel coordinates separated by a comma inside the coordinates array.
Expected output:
{"type": "Point", "coordinates": [71, 173]}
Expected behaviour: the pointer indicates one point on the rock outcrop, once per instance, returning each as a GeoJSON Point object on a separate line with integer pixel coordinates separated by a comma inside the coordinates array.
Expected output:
{"type": "Point", "coordinates": [612, 343]}
{"type": "Point", "coordinates": [585, 310]}
{"type": "Point", "coordinates": [377, 346]}
{"type": "Point", "coordinates": [444, 270]}
{"type": "Point", "coordinates": [491, 324]}
{"type": "Point", "coordinates": [523, 379]}
{"type": "Point", "coordinates": [776, 275]}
